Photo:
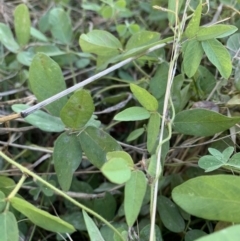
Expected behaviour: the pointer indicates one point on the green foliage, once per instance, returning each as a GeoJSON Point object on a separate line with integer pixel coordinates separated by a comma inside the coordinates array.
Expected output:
{"type": "Point", "coordinates": [78, 110]}
{"type": "Point", "coordinates": [67, 156]}
{"type": "Point", "coordinates": [204, 196]}
{"type": "Point", "coordinates": [172, 98]}
{"type": "Point", "coordinates": [8, 227]}
{"type": "Point", "coordinates": [41, 218]}
{"type": "Point", "coordinates": [22, 24]}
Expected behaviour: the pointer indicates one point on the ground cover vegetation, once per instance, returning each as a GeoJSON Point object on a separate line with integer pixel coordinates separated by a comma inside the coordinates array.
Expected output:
{"type": "Point", "coordinates": [136, 133]}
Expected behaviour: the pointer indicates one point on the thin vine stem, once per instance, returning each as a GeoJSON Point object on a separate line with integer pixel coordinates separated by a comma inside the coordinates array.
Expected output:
{"type": "Point", "coordinates": [26, 171]}
{"type": "Point", "coordinates": [171, 73]}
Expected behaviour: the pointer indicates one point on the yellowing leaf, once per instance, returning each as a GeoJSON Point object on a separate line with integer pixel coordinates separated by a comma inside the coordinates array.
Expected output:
{"type": "Point", "coordinates": [41, 218]}
{"type": "Point", "coordinates": [215, 31]}
{"type": "Point", "coordinates": [147, 100]}
{"type": "Point", "coordinates": [22, 24]}
{"type": "Point", "coordinates": [194, 23]}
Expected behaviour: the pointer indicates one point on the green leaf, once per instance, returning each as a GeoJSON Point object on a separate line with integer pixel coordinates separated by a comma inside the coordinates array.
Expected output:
{"type": "Point", "coordinates": [227, 153]}
{"type": "Point", "coordinates": [135, 189]}
{"type": "Point", "coordinates": [193, 234]}
{"type": "Point", "coordinates": [46, 80]}
{"type": "Point", "coordinates": [145, 233]}
{"type": "Point", "coordinates": [76, 219]}
{"type": "Point", "coordinates": [6, 38]}
{"type": "Point", "coordinates": [209, 163]}
{"type": "Point", "coordinates": [142, 39]}
{"type": "Point", "coordinates": [205, 80]}
{"type": "Point", "coordinates": [78, 110]}
{"type": "Point", "coordinates": [41, 218]}
{"type": "Point", "coordinates": [92, 229]}
{"type": "Point", "coordinates": [6, 182]}
{"type": "Point", "coordinates": [216, 153]}
{"type": "Point", "coordinates": [234, 161]}
{"type": "Point", "coordinates": [194, 23]}
{"type": "Point", "coordinates": [122, 154]}
{"type": "Point", "coordinates": [116, 170]}
{"type": "Point", "coordinates": [233, 44]}
{"type": "Point", "coordinates": [22, 24]}
{"type": "Point", "coordinates": [228, 234]}
{"type": "Point", "coordinates": [60, 25]}
{"type": "Point", "coordinates": [170, 215]}
{"type": "Point", "coordinates": [216, 31]}
{"type": "Point", "coordinates": [3, 201]}
{"type": "Point", "coordinates": [147, 100]}
{"type": "Point", "coordinates": [210, 197]}
{"type": "Point", "coordinates": [202, 122]}
{"type": "Point", "coordinates": [38, 35]}
{"type": "Point", "coordinates": [100, 42]}
{"type": "Point", "coordinates": [158, 83]}
{"type": "Point", "coordinates": [41, 120]}
{"type": "Point", "coordinates": [153, 129]}
{"type": "Point", "coordinates": [192, 61]}
{"type": "Point", "coordinates": [67, 156]}
{"type": "Point", "coordinates": [135, 134]}
{"type": "Point", "coordinates": [96, 144]}
{"type": "Point", "coordinates": [132, 114]}
{"type": "Point", "coordinates": [219, 56]}
{"type": "Point", "coordinates": [8, 227]}
{"type": "Point", "coordinates": [105, 206]}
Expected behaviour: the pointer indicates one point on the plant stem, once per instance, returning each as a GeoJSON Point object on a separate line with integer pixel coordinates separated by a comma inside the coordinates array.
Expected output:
{"type": "Point", "coordinates": [36, 177]}
{"type": "Point", "coordinates": [17, 187]}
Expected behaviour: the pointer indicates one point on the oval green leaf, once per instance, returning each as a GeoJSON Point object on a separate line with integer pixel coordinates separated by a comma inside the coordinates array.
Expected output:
{"type": "Point", "coordinates": [135, 189]}
{"type": "Point", "coordinates": [100, 42]}
{"type": "Point", "coordinates": [219, 56]}
{"type": "Point", "coordinates": [6, 38]}
{"type": "Point", "coordinates": [96, 144]}
{"type": "Point", "coordinates": [78, 110]}
{"type": "Point", "coordinates": [216, 31]}
{"type": "Point", "coordinates": [142, 38]}
{"type": "Point", "coordinates": [170, 215]}
{"type": "Point", "coordinates": [209, 163]}
{"type": "Point", "coordinates": [22, 24]}
{"type": "Point", "coordinates": [210, 197]}
{"type": "Point", "coordinates": [41, 120]}
{"type": "Point", "coordinates": [60, 25]}
{"type": "Point", "coordinates": [117, 170]}
{"type": "Point", "coordinates": [46, 80]}
{"type": "Point", "coordinates": [202, 122]}
{"type": "Point", "coordinates": [192, 61]}
{"type": "Point", "coordinates": [8, 227]}
{"type": "Point", "coordinates": [41, 218]}
{"type": "Point", "coordinates": [153, 129]}
{"type": "Point", "coordinates": [132, 114]}
{"type": "Point", "coordinates": [122, 154]}
{"type": "Point", "coordinates": [67, 156]}
{"type": "Point", "coordinates": [135, 134]}
{"type": "Point", "coordinates": [147, 100]}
